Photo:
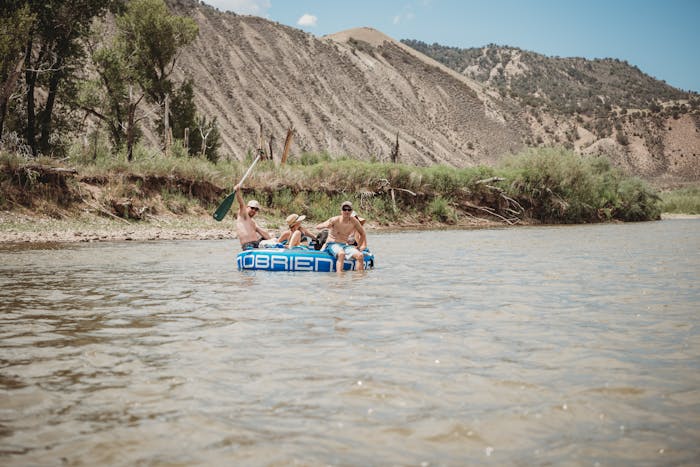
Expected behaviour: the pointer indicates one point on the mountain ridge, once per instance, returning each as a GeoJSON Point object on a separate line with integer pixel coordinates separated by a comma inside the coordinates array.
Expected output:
{"type": "Point", "coordinates": [506, 68]}
{"type": "Point", "coordinates": [357, 92]}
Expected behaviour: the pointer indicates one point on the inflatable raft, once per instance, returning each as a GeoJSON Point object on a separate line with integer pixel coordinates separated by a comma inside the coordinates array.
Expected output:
{"type": "Point", "coordinates": [295, 259]}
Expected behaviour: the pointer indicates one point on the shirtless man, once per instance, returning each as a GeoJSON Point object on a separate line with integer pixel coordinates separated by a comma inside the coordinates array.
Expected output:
{"type": "Point", "coordinates": [249, 232]}
{"type": "Point", "coordinates": [340, 228]}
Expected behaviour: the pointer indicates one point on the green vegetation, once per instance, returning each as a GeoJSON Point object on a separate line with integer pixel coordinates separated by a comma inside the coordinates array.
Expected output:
{"type": "Point", "coordinates": [61, 64]}
{"type": "Point", "coordinates": [681, 201]}
{"type": "Point", "coordinates": [564, 85]}
{"type": "Point", "coordinates": [543, 185]}
{"type": "Point", "coordinates": [555, 185]}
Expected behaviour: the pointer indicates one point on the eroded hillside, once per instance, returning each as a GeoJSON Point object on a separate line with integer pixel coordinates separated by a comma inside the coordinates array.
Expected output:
{"type": "Point", "coordinates": [356, 92]}
{"type": "Point", "coordinates": [351, 93]}
{"type": "Point", "coordinates": [602, 106]}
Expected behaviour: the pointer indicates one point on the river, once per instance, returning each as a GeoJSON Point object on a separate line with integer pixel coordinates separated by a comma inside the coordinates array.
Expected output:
{"type": "Point", "coordinates": [576, 345]}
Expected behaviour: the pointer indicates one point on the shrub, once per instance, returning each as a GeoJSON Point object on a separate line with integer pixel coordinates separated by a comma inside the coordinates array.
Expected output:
{"type": "Point", "coordinates": [308, 158]}
{"type": "Point", "coordinates": [441, 211]}
{"type": "Point", "coordinates": [681, 201]}
{"type": "Point", "coordinates": [555, 185]}
{"type": "Point", "coordinates": [622, 139]}
{"type": "Point", "coordinates": [636, 201]}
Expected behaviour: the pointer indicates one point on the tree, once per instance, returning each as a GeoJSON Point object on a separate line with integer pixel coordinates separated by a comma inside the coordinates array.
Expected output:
{"type": "Point", "coordinates": [206, 138]}
{"type": "Point", "coordinates": [113, 95]}
{"type": "Point", "coordinates": [183, 112]}
{"type": "Point", "coordinates": [16, 21]}
{"type": "Point", "coordinates": [152, 39]}
{"type": "Point", "coordinates": [53, 53]}
{"type": "Point", "coordinates": [136, 67]}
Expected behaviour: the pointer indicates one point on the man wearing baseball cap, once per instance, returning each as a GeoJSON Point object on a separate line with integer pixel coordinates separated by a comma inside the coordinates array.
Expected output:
{"type": "Point", "coordinates": [340, 229]}
{"type": "Point", "coordinates": [249, 232]}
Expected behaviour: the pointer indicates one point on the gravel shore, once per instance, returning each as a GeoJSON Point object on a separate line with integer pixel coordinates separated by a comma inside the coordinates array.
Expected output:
{"type": "Point", "coordinates": [21, 228]}
{"type": "Point", "coordinates": [24, 229]}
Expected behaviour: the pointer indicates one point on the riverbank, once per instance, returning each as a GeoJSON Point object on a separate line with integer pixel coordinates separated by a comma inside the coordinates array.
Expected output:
{"type": "Point", "coordinates": [156, 197]}
{"type": "Point", "coordinates": [24, 229]}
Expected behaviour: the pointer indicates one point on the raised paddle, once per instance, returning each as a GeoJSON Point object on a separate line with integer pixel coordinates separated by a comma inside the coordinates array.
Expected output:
{"type": "Point", "coordinates": [225, 206]}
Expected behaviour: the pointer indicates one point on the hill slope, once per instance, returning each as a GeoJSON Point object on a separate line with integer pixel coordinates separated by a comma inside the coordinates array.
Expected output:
{"type": "Point", "coordinates": [350, 93]}
{"type": "Point", "coordinates": [355, 92]}
{"type": "Point", "coordinates": [565, 85]}
{"type": "Point", "coordinates": [602, 106]}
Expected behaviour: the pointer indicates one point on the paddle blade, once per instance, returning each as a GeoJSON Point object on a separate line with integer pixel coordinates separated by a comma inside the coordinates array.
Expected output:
{"type": "Point", "coordinates": [224, 207]}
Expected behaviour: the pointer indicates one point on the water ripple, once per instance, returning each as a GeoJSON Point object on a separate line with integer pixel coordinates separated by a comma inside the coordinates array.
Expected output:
{"type": "Point", "coordinates": [573, 345]}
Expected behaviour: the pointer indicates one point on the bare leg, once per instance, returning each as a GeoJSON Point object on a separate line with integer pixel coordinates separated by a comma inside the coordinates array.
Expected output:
{"type": "Point", "coordinates": [359, 261]}
{"type": "Point", "coordinates": [340, 261]}
{"type": "Point", "coordinates": [295, 240]}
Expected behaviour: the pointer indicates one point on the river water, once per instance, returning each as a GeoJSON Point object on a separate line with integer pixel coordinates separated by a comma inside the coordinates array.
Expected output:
{"type": "Point", "coordinates": [545, 345]}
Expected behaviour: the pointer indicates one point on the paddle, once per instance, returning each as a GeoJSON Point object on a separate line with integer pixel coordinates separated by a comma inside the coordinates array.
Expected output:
{"type": "Point", "coordinates": [225, 206]}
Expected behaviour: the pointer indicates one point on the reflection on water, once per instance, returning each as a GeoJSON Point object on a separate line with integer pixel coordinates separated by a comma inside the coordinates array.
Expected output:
{"type": "Point", "coordinates": [575, 345]}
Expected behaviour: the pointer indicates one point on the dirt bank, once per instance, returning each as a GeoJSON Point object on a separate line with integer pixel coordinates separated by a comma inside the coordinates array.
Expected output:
{"type": "Point", "coordinates": [55, 204]}
{"type": "Point", "coordinates": [26, 228]}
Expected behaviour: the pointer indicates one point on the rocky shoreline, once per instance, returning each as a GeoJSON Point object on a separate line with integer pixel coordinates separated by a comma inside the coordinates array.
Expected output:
{"type": "Point", "coordinates": [24, 229]}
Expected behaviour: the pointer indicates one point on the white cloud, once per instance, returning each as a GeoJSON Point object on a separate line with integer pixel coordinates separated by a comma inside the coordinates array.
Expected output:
{"type": "Point", "coordinates": [242, 7]}
{"type": "Point", "coordinates": [307, 20]}
{"type": "Point", "coordinates": [404, 16]}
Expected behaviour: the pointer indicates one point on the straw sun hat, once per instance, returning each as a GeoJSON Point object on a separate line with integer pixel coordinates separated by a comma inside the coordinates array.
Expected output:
{"type": "Point", "coordinates": [293, 219]}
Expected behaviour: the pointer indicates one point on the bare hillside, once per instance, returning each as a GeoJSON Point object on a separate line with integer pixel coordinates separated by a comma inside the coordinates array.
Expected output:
{"type": "Point", "coordinates": [351, 94]}
{"type": "Point", "coordinates": [354, 92]}
{"type": "Point", "coordinates": [602, 106]}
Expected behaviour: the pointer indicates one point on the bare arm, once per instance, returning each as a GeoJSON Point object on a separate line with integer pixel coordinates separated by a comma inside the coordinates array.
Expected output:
{"type": "Point", "coordinates": [362, 240]}
{"type": "Point", "coordinates": [285, 236]}
{"type": "Point", "coordinates": [241, 204]}
{"type": "Point", "coordinates": [263, 233]}
{"type": "Point", "coordinates": [327, 224]}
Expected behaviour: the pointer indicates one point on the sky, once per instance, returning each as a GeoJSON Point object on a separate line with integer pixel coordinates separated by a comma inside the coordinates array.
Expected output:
{"type": "Point", "coordinates": [660, 37]}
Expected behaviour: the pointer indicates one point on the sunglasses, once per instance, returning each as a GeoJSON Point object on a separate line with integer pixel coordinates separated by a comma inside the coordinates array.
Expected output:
{"type": "Point", "coordinates": [347, 209]}
{"type": "Point", "coordinates": [254, 209]}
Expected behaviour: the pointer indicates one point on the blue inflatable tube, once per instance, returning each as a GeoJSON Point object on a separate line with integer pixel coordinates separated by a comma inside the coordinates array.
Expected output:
{"type": "Point", "coordinates": [295, 259]}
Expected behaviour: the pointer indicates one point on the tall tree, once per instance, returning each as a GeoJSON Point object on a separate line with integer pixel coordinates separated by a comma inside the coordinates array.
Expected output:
{"type": "Point", "coordinates": [183, 112]}
{"type": "Point", "coordinates": [52, 54]}
{"type": "Point", "coordinates": [153, 38]}
{"type": "Point", "coordinates": [137, 64]}
{"type": "Point", "coordinates": [112, 94]}
{"type": "Point", "coordinates": [16, 21]}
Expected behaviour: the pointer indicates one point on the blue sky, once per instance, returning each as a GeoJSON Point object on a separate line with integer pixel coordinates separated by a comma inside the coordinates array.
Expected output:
{"type": "Point", "coordinates": [661, 37]}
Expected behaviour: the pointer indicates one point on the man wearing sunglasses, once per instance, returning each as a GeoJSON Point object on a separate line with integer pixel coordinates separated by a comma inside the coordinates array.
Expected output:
{"type": "Point", "coordinates": [249, 232]}
{"type": "Point", "coordinates": [340, 229]}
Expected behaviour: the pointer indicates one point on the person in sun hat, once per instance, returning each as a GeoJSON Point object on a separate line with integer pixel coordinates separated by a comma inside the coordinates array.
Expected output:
{"type": "Point", "coordinates": [340, 227]}
{"type": "Point", "coordinates": [296, 232]}
{"type": "Point", "coordinates": [249, 232]}
{"type": "Point", "coordinates": [353, 237]}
